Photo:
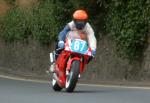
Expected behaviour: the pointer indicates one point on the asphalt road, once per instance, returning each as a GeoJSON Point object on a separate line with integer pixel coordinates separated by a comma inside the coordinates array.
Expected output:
{"type": "Point", "coordinates": [16, 91]}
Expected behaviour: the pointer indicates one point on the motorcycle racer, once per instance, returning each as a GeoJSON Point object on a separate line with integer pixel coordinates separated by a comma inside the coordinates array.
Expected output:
{"type": "Point", "coordinates": [80, 24]}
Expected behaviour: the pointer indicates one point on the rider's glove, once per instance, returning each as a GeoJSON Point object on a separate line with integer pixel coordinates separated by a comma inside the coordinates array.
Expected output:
{"type": "Point", "coordinates": [61, 44]}
{"type": "Point", "coordinates": [93, 53]}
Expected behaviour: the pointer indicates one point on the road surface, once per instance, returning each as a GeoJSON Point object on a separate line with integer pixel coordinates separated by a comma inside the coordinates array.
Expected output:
{"type": "Point", "coordinates": [16, 91]}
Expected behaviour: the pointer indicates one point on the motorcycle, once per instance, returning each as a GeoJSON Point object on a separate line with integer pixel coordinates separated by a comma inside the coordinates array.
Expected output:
{"type": "Point", "coordinates": [70, 64]}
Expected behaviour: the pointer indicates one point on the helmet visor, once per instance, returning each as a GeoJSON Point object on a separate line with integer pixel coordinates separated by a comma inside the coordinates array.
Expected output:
{"type": "Point", "coordinates": [80, 24]}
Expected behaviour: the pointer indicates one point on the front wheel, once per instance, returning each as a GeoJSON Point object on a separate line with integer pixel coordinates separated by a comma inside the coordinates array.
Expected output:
{"type": "Point", "coordinates": [72, 78]}
{"type": "Point", "coordinates": [55, 85]}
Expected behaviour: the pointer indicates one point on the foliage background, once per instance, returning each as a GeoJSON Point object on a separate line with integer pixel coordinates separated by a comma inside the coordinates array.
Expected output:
{"type": "Point", "coordinates": [126, 22]}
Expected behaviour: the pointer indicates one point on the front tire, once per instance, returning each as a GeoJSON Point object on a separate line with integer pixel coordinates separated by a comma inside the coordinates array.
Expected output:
{"type": "Point", "coordinates": [55, 85]}
{"type": "Point", "coordinates": [72, 78]}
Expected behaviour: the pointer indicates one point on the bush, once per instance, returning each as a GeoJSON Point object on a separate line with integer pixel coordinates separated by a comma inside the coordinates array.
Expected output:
{"type": "Point", "coordinates": [43, 26]}
{"type": "Point", "coordinates": [44, 21]}
{"type": "Point", "coordinates": [47, 20]}
{"type": "Point", "coordinates": [128, 23]}
{"type": "Point", "coordinates": [15, 25]}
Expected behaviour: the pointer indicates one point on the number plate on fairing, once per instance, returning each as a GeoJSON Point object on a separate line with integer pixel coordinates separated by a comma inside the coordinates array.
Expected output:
{"type": "Point", "coordinates": [79, 46]}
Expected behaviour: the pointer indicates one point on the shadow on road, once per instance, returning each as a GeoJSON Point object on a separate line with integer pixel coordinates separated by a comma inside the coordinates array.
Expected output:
{"type": "Point", "coordinates": [90, 91]}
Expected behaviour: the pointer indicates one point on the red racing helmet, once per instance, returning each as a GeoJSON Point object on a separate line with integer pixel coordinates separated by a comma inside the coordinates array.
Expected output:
{"type": "Point", "coordinates": [80, 18]}
{"type": "Point", "coordinates": [80, 15]}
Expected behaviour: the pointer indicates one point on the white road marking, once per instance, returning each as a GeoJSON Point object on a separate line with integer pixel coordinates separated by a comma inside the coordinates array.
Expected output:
{"type": "Point", "coordinates": [116, 86]}
{"type": "Point", "coordinates": [23, 79]}
{"type": "Point", "coordinates": [91, 85]}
